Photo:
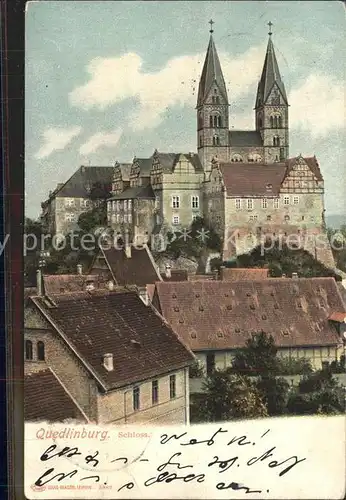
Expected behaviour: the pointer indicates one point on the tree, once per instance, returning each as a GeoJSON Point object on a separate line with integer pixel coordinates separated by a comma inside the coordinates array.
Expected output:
{"type": "Point", "coordinates": [97, 217]}
{"type": "Point", "coordinates": [288, 366]}
{"type": "Point", "coordinates": [275, 394]}
{"type": "Point", "coordinates": [258, 357]}
{"type": "Point", "coordinates": [230, 396]}
{"type": "Point", "coordinates": [318, 392]}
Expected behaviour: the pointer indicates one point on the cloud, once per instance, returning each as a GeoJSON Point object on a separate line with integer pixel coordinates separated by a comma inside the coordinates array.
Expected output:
{"type": "Point", "coordinates": [99, 140]}
{"type": "Point", "coordinates": [56, 139]}
{"type": "Point", "coordinates": [318, 105]}
{"type": "Point", "coordinates": [113, 80]}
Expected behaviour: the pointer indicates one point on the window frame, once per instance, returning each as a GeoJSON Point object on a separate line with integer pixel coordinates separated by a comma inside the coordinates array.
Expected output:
{"type": "Point", "coordinates": [136, 394]}
{"type": "Point", "coordinates": [238, 202]}
{"type": "Point", "coordinates": [29, 349]}
{"type": "Point", "coordinates": [40, 351]}
{"type": "Point", "coordinates": [195, 202]}
{"type": "Point", "coordinates": [172, 386]}
{"type": "Point", "coordinates": [249, 204]}
{"type": "Point", "coordinates": [175, 223]}
{"type": "Point", "coordinates": [176, 201]}
{"type": "Point", "coordinates": [154, 392]}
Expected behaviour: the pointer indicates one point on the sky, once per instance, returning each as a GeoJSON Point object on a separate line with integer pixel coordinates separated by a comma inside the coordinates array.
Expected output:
{"type": "Point", "coordinates": [107, 81]}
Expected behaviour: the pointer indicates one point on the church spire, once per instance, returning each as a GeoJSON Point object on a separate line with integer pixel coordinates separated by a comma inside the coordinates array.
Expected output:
{"type": "Point", "coordinates": [212, 72]}
{"type": "Point", "coordinates": [270, 74]}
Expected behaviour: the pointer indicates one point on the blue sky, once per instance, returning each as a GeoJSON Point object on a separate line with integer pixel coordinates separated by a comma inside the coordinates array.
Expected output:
{"type": "Point", "coordinates": [109, 80]}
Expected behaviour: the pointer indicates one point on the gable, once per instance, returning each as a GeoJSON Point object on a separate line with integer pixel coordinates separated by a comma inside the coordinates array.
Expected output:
{"type": "Point", "coordinates": [34, 319]}
{"type": "Point", "coordinates": [302, 174]}
{"type": "Point", "coordinates": [275, 96]}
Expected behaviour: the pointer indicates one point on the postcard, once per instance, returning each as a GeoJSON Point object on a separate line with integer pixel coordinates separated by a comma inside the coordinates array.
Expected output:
{"type": "Point", "coordinates": [184, 250]}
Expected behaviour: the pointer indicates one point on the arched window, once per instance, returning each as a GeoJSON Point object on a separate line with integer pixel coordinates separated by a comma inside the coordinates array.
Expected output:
{"type": "Point", "coordinates": [271, 122]}
{"type": "Point", "coordinates": [217, 99]}
{"type": "Point", "coordinates": [40, 351]}
{"type": "Point", "coordinates": [279, 122]}
{"type": "Point", "coordinates": [219, 123]}
{"type": "Point", "coordinates": [215, 121]}
{"type": "Point", "coordinates": [276, 141]}
{"type": "Point", "coordinates": [28, 349]}
{"type": "Point", "coordinates": [211, 121]}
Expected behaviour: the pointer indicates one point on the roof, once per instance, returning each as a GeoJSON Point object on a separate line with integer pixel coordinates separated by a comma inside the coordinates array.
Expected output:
{"type": "Point", "coordinates": [252, 179]}
{"type": "Point", "coordinates": [211, 73]}
{"type": "Point", "coordinates": [270, 75]}
{"type": "Point", "coordinates": [202, 277]}
{"type": "Point", "coordinates": [245, 138]}
{"type": "Point", "coordinates": [61, 283]}
{"type": "Point", "coordinates": [119, 323]}
{"type": "Point", "coordinates": [99, 179]}
{"type": "Point", "coordinates": [169, 160]}
{"type": "Point", "coordinates": [289, 310]}
{"type": "Point", "coordinates": [176, 275]}
{"type": "Point", "coordinates": [45, 399]}
{"type": "Point", "coordinates": [338, 317]}
{"type": "Point", "coordinates": [239, 274]}
{"type": "Point", "coordinates": [144, 165]}
{"type": "Point", "coordinates": [312, 164]}
{"type": "Point", "coordinates": [140, 269]}
{"type": "Point", "coordinates": [142, 192]}
{"type": "Point", "coordinates": [125, 169]}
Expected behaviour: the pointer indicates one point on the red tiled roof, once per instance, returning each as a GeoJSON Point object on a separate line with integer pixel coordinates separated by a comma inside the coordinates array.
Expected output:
{"type": "Point", "coordinates": [61, 283]}
{"type": "Point", "coordinates": [139, 269]}
{"type": "Point", "coordinates": [237, 274]}
{"type": "Point", "coordinates": [338, 317]}
{"type": "Point", "coordinates": [118, 322]}
{"type": "Point", "coordinates": [176, 275]}
{"type": "Point", "coordinates": [222, 315]}
{"type": "Point", "coordinates": [45, 399]}
{"type": "Point", "coordinates": [252, 179]}
{"type": "Point", "coordinates": [202, 277]}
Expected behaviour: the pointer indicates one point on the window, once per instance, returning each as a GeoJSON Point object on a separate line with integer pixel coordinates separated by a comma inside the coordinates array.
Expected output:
{"type": "Point", "coordinates": [154, 392]}
{"type": "Point", "coordinates": [129, 205]}
{"type": "Point", "coordinates": [238, 204]}
{"type": "Point", "coordinates": [276, 141]}
{"type": "Point", "coordinates": [129, 218]}
{"type": "Point", "coordinates": [282, 153]}
{"type": "Point", "coordinates": [210, 121]}
{"type": "Point", "coordinates": [269, 217]}
{"type": "Point", "coordinates": [125, 205]}
{"type": "Point", "coordinates": [70, 217]}
{"type": "Point", "coordinates": [114, 206]}
{"type": "Point", "coordinates": [276, 202]}
{"type": "Point", "coordinates": [125, 218]}
{"type": "Point", "coordinates": [175, 219]}
{"type": "Point", "coordinates": [69, 202]}
{"type": "Point", "coordinates": [272, 122]}
{"type": "Point", "coordinates": [28, 350]}
{"type": "Point", "coordinates": [118, 218]}
{"type": "Point", "coordinates": [216, 141]}
{"type": "Point", "coordinates": [286, 200]}
{"type": "Point", "coordinates": [175, 201]}
{"type": "Point", "coordinates": [264, 203]}
{"type": "Point", "coordinates": [287, 218]}
{"type": "Point", "coordinates": [136, 398]}
{"type": "Point", "coordinates": [249, 204]}
{"type": "Point", "coordinates": [295, 200]}
{"type": "Point", "coordinates": [40, 351]}
{"type": "Point", "coordinates": [172, 387]}
{"type": "Point", "coordinates": [195, 201]}
{"type": "Point", "coordinates": [118, 205]}
{"type": "Point", "coordinates": [195, 217]}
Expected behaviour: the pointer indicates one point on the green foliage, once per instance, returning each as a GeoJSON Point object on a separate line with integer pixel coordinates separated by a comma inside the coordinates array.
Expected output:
{"type": "Point", "coordinates": [338, 366]}
{"type": "Point", "coordinates": [337, 238]}
{"type": "Point", "coordinates": [97, 217]}
{"type": "Point", "coordinates": [289, 366]}
{"type": "Point", "coordinates": [258, 357]}
{"type": "Point", "coordinates": [284, 260]}
{"type": "Point", "coordinates": [196, 370]}
{"type": "Point", "coordinates": [274, 392]}
{"type": "Point", "coordinates": [230, 396]}
{"type": "Point", "coordinates": [318, 393]}
{"type": "Point", "coordinates": [192, 245]}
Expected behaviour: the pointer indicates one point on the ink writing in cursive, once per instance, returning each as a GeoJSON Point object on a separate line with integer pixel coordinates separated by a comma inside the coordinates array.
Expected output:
{"type": "Point", "coordinates": [236, 486]}
{"type": "Point", "coordinates": [167, 477]}
{"type": "Point", "coordinates": [209, 441]}
{"type": "Point", "coordinates": [275, 463]}
{"type": "Point", "coordinates": [223, 464]}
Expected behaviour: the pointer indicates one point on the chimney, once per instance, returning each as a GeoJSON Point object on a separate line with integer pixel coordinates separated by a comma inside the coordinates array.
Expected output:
{"type": "Point", "coordinates": [128, 250]}
{"type": "Point", "coordinates": [168, 271]}
{"type": "Point", "coordinates": [108, 362]}
{"type": "Point", "coordinates": [79, 269]}
{"type": "Point", "coordinates": [39, 282]}
{"type": "Point", "coordinates": [222, 273]}
{"type": "Point", "coordinates": [294, 276]}
{"type": "Point", "coordinates": [143, 293]}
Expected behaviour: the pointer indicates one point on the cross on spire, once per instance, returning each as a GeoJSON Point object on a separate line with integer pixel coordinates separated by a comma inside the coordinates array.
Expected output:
{"type": "Point", "coordinates": [270, 24]}
{"type": "Point", "coordinates": [211, 22]}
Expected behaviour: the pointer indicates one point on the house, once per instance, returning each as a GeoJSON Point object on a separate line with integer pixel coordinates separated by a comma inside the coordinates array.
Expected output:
{"type": "Point", "coordinates": [47, 400]}
{"type": "Point", "coordinates": [215, 318]}
{"type": "Point", "coordinates": [116, 359]}
{"type": "Point", "coordinates": [84, 190]}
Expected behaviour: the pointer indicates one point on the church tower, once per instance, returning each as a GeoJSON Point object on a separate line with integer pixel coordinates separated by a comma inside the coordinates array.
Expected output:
{"type": "Point", "coordinates": [212, 110]}
{"type": "Point", "coordinates": [272, 108]}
